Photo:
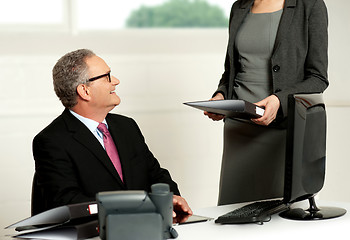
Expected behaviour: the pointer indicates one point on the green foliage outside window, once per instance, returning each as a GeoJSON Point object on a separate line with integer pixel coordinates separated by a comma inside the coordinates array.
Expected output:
{"type": "Point", "coordinates": [178, 13]}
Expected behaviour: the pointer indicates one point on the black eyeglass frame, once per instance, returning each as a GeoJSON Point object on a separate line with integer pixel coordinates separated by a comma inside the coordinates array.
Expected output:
{"type": "Point", "coordinates": [108, 75]}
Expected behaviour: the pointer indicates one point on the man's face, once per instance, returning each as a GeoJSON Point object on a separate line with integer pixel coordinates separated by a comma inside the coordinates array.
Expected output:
{"type": "Point", "coordinates": [102, 90]}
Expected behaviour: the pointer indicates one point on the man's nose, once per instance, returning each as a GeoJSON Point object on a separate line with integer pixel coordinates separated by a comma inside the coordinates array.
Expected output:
{"type": "Point", "coordinates": [115, 80]}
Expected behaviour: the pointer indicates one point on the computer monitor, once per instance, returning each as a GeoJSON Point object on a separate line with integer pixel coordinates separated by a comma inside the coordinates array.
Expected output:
{"type": "Point", "coordinates": [305, 161]}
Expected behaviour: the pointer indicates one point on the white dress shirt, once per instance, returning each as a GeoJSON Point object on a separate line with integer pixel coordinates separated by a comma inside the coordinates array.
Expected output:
{"type": "Point", "coordinates": [91, 125]}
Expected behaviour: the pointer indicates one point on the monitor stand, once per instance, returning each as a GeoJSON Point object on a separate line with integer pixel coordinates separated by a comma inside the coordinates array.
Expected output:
{"type": "Point", "coordinates": [313, 212]}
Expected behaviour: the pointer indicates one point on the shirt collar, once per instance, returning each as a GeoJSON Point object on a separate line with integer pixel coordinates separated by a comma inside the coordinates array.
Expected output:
{"type": "Point", "coordinates": [89, 123]}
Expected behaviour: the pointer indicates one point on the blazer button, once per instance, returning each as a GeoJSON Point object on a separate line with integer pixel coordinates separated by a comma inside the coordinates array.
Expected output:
{"type": "Point", "coordinates": [277, 90]}
{"type": "Point", "coordinates": [276, 68]}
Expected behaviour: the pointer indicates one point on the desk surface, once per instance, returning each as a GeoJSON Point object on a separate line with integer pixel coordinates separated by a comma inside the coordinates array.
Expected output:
{"type": "Point", "coordinates": [277, 228]}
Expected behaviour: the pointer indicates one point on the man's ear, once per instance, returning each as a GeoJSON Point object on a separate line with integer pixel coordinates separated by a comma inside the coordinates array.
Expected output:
{"type": "Point", "coordinates": [83, 92]}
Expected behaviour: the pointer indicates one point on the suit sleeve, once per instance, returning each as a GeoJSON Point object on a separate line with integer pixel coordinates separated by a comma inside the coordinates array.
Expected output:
{"type": "Point", "coordinates": [315, 63]}
{"type": "Point", "coordinates": [55, 174]}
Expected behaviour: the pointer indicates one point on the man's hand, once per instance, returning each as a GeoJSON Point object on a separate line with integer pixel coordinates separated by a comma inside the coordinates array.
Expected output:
{"type": "Point", "coordinates": [213, 116]}
{"type": "Point", "coordinates": [271, 104]}
{"type": "Point", "coordinates": [181, 206]}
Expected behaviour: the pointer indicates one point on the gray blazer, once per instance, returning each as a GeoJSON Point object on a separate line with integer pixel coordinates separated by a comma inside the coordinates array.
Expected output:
{"type": "Point", "coordinates": [299, 60]}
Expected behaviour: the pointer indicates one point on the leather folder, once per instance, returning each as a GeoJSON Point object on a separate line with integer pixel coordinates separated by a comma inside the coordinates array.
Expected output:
{"type": "Point", "coordinates": [229, 108]}
{"type": "Point", "coordinates": [74, 221]}
{"type": "Point", "coordinates": [59, 215]}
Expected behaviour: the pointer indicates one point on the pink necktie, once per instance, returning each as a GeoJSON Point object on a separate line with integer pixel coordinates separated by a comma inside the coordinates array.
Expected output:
{"type": "Point", "coordinates": [111, 148]}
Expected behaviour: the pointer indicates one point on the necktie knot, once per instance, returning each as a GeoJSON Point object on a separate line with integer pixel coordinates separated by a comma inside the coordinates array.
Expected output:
{"type": "Point", "coordinates": [103, 128]}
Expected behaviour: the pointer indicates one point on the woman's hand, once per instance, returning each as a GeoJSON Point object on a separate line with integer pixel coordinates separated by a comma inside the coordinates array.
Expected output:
{"type": "Point", "coordinates": [213, 116]}
{"type": "Point", "coordinates": [271, 104]}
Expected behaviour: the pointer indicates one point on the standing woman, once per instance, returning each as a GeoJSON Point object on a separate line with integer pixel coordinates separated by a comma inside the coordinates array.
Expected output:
{"type": "Point", "coordinates": [275, 48]}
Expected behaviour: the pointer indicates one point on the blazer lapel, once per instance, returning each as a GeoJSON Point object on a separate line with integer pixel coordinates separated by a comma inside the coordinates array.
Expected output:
{"type": "Point", "coordinates": [236, 19]}
{"type": "Point", "coordinates": [285, 22]}
{"type": "Point", "coordinates": [84, 136]}
{"type": "Point", "coordinates": [120, 141]}
{"type": "Point", "coordinates": [236, 22]}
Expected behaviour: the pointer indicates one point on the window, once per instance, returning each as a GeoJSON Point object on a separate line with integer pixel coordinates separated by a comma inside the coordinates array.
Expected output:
{"type": "Point", "coordinates": [89, 15]}
{"type": "Point", "coordinates": [111, 14]}
{"type": "Point", "coordinates": [33, 14]}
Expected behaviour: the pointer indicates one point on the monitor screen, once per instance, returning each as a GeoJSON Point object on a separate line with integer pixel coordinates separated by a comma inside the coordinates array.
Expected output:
{"type": "Point", "coordinates": [306, 147]}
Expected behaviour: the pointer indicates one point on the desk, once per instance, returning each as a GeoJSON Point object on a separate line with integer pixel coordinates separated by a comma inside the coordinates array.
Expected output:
{"type": "Point", "coordinates": [277, 228]}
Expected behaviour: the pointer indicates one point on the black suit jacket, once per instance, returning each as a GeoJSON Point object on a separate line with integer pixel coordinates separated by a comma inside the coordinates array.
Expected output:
{"type": "Point", "coordinates": [71, 166]}
{"type": "Point", "coordinates": [299, 59]}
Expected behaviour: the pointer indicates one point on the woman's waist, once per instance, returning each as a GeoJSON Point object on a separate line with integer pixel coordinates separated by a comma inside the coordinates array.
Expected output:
{"type": "Point", "coordinates": [254, 77]}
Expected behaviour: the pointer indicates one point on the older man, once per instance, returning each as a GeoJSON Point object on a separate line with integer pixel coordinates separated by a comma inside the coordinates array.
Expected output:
{"type": "Point", "coordinates": [86, 149]}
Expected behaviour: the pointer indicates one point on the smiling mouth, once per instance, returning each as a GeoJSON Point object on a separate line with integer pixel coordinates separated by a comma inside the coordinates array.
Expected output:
{"type": "Point", "coordinates": [111, 92]}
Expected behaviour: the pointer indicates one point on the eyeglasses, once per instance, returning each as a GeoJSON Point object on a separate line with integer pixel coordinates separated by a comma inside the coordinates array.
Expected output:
{"type": "Point", "coordinates": [108, 75]}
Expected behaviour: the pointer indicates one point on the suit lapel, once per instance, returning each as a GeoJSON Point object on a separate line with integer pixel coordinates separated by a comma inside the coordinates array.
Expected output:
{"type": "Point", "coordinates": [236, 19]}
{"type": "Point", "coordinates": [119, 137]}
{"type": "Point", "coordinates": [285, 22]}
{"type": "Point", "coordinates": [236, 22]}
{"type": "Point", "coordinates": [84, 136]}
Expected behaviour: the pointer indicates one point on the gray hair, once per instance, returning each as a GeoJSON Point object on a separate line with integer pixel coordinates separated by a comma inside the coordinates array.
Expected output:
{"type": "Point", "coordinates": [70, 71]}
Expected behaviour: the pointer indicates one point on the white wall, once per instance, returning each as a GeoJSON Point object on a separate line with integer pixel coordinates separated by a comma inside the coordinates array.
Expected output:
{"type": "Point", "coordinates": [158, 70]}
{"type": "Point", "coordinates": [338, 103]}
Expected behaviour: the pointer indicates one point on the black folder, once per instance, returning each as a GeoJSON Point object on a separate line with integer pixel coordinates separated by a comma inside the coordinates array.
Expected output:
{"type": "Point", "coordinates": [230, 108]}
{"type": "Point", "coordinates": [66, 231]}
{"type": "Point", "coordinates": [59, 215]}
{"type": "Point", "coordinates": [78, 221]}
